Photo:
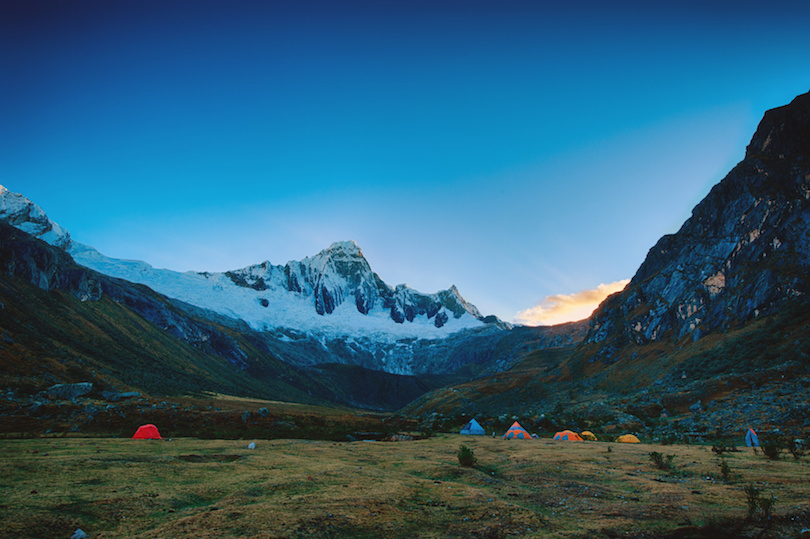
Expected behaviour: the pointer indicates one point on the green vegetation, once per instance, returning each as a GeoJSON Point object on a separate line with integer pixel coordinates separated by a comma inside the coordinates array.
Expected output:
{"type": "Point", "coordinates": [465, 455]}
{"type": "Point", "coordinates": [725, 470]}
{"type": "Point", "coordinates": [771, 446]}
{"type": "Point", "coordinates": [661, 462]}
{"type": "Point", "coordinates": [759, 504]}
{"type": "Point", "coordinates": [796, 447]}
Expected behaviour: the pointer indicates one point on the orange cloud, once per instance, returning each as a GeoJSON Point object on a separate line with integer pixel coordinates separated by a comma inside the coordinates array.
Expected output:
{"type": "Point", "coordinates": [568, 308]}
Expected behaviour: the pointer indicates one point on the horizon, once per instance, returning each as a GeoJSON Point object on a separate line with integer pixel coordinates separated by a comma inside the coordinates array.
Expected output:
{"type": "Point", "coordinates": [531, 156]}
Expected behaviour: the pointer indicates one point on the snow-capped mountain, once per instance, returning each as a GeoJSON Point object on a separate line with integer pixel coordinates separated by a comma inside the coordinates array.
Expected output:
{"type": "Point", "coordinates": [20, 212]}
{"type": "Point", "coordinates": [331, 294]}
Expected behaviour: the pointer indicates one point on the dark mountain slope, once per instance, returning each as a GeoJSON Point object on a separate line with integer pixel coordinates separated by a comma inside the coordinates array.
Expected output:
{"type": "Point", "coordinates": [714, 326]}
{"type": "Point", "coordinates": [744, 254]}
{"type": "Point", "coordinates": [62, 323]}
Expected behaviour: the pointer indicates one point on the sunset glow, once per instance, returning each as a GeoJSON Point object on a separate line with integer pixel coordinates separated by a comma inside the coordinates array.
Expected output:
{"type": "Point", "coordinates": [563, 308]}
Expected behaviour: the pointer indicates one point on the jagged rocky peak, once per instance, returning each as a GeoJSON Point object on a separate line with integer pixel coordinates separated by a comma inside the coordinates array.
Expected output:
{"type": "Point", "coordinates": [784, 132]}
{"type": "Point", "coordinates": [337, 278]}
{"type": "Point", "coordinates": [742, 254]}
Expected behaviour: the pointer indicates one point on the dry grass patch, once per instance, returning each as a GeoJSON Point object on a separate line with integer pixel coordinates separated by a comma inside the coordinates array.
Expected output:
{"type": "Point", "coordinates": [299, 488]}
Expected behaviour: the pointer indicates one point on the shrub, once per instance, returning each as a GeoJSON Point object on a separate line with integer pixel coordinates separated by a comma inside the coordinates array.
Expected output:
{"type": "Point", "coordinates": [669, 439]}
{"type": "Point", "coordinates": [661, 462]}
{"type": "Point", "coordinates": [466, 457]}
{"type": "Point", "coordinates": [771, 447]}
{"type": "Point", "coordinates": [725, 470]}
{"type": "Point", "coordinates": [758, 503]}
{"type": "Point", "coordinates": [751, 498]}
{"type": "Point", "coordinates": [796, 448]}
{"type": "Point", "coordinates": [720, 448]}
{"type": "Point", "coordinates": [766, 506]}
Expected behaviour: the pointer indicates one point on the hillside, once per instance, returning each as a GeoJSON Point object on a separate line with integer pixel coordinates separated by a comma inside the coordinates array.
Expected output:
{"type": "Point", "coordinates": [62, 323]}
{"type": "Point", "coordinates": [713, 330]}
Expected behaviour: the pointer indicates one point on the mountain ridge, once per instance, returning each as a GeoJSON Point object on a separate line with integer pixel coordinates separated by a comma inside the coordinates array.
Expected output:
{"type": "Point", "coordinates": [713, 329]}
{"type": "Point", "coordinates": [337, 284]}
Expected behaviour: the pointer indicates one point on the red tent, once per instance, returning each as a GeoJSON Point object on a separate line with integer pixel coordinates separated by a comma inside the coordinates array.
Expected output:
{"type": "Point", "coordinates": [147, 432]}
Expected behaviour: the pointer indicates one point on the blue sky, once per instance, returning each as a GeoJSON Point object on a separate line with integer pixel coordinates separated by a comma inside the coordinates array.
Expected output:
{"type": "Point", "coordinates": [518, 151]}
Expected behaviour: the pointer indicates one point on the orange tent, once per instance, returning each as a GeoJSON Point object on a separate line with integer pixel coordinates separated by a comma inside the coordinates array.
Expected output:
{"type": "Point", "coordinates": [147, 432]}
{"type": "Point", "coordinates": [516, 431]}
{"type": "Point", "coordinates": [568, 436]}
{"type": "Point", "coordinates": [628, 439]}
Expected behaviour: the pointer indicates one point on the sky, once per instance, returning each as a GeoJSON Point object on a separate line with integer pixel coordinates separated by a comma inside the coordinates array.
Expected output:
{"type": "Point", "coordinates": [530, 155]}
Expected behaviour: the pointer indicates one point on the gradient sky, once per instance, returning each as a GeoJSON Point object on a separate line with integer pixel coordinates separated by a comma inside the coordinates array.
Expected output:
{"type": "Point", "coordinates": [521, 152]}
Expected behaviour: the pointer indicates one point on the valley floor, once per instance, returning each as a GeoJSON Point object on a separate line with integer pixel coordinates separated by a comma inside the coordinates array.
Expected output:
{"type": "Point", "coordinates": [109, 487]}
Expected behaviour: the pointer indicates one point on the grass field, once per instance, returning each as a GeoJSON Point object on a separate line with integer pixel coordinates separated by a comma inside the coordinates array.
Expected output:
{"type": "Point", "coordinates": [298, 488]}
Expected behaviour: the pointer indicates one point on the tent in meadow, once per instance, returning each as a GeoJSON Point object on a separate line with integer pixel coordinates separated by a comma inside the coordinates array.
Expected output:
{"type": "Point", "coordinates": [516, 431]}
{"type": "Point", "coordinates": [628, 439]}
{"type": "Point", "coordinates": [568, 436]}
{"type": "Point", "coordinates": [147, 432]}
{"type": "Point", "coordinates": [473, 427]}
{"type": "Point", "coordinates": [588, 435]}
{"type": "Point", "coordinates": [751, 438]}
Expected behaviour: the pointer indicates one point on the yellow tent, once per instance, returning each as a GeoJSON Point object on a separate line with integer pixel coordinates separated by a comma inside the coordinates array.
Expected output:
{"type": "Point", "coordinates": [628, 439]}
{"type": "Point", "coordinates": [588, 435]}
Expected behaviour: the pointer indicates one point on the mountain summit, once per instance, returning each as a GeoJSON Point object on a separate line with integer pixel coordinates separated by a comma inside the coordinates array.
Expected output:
{"type": "Point", "coordinates": [331, 294]}
{"type": "Point", "coordinates": [743, 254]}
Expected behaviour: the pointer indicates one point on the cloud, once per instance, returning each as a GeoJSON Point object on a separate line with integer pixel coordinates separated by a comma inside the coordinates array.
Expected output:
{"type": "Point", "coordinates": [568, 308]}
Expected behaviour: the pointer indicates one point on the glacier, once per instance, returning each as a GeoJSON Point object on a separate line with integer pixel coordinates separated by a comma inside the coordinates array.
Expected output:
{"type": "Point", "coordinates": [333, 294]}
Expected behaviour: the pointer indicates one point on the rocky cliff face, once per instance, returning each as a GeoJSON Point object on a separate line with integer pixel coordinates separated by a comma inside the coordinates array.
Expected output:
{"type": "Point", "coordinates": [341, 274]}
{"type": "Point", "coordinates": [744, 252]}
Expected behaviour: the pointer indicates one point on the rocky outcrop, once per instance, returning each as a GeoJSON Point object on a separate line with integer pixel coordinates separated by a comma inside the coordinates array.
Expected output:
{"type": "Point", "coordinates": [744, 252]}
{"type": "Point", "coordinates": [69, 391]}
{"type": "Point", "coordinates": [47, 268]}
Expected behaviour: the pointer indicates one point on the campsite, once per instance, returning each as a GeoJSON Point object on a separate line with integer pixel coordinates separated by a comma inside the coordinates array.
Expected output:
{"type": "Point", "coordinates": [123, 487]}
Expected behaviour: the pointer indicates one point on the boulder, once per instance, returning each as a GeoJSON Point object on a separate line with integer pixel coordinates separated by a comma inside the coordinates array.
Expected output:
{"type": "Point", "coordinates": [69, 391]}
{"type": "Point", "coordinates": [115, 396]}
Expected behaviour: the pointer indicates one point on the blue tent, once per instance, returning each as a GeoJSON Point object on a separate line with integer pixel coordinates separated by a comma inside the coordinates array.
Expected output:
{"type": "Point", "coordinates": [473, 427]}
{"type": "Point", "coordinates": [751, 438]}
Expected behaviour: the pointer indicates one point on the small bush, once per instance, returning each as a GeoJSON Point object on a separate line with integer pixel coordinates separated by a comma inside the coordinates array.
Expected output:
{"type": "Point", "coordinates": [772, 447]}
{"type": "Point", "coordinates": [751, 498]}
{"type": "Point", "coordinates": [796, 448]}
{"type": "Point", "coordinates": [661, 462]}
{"type": "Point", "coordinates": [725, 470]}
{"type": "Point", "coordinates": [720, 448]}
{"type": "Point", "coordinates": [766, 506]}
{"type": "Point", "coordinates": [466, 457]}
{"type": "Point", "coordinates": [669, 439]}
{"type": "Point", "coordinates": [757, 503]}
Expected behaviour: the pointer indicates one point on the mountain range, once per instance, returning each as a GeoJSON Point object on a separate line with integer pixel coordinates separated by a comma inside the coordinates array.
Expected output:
{"type": "Point", "coordinates": [714, 327]}
{"type": "Point", "coordinates": [306, 331]}
{"type": "Point", "coordinates": [332, 298]}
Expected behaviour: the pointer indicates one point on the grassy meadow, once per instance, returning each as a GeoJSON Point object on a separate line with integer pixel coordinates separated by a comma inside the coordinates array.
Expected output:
{"type": "Point", "coordinates": [301, 488]}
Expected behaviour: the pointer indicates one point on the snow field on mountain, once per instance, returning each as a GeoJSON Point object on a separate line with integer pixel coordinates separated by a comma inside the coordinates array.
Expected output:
{"type": "Point", "coordinates": [218, 293]}
{"type": "Point", "coordinates": [275, 306]}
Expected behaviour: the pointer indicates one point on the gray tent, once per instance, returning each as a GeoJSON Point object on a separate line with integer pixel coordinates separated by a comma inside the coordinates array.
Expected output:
{"type": "Point", "coordinates": [473, 427]}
